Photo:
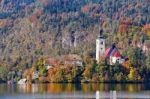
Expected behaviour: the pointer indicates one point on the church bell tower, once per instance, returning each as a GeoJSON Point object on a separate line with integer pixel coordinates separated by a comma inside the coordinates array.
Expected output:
{"type": "Point", "coordinates": [100, 46]}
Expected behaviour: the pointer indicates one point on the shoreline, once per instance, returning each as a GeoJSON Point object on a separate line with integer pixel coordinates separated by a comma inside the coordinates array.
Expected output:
{"type": "Point", "coordinates": [106, 82]}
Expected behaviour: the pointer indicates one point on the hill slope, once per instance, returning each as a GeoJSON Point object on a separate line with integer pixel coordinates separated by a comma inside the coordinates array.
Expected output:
{"type": "Point", "coordinates": [30, 29]}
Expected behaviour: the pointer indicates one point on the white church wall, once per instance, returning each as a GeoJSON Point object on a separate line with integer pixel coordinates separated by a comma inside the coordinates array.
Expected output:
{"type": "Point", "coordinates": [100, 48]}
{"type": "Point", "coordinates": [114, 60]}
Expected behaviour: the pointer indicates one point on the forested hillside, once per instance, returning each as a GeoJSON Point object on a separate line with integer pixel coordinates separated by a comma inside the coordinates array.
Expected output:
{"type": "Point", "coordinates": [31, 29]}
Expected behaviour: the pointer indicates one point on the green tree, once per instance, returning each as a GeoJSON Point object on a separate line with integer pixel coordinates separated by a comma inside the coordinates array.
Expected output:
{"type": "Point", "coordinates": [148, 66]}
{"type": "Point", "coordinates": [136, 57]}
{"type": "Point", "coordinates": [132, 57]}
{"type": "Point", "coordinates": [40, 66]}
{"type": "Point", "coordinates": [3, 73]}
{"type": "Point", "coordinates": [100, 70]}
{"type": "Point", "coordinates": [90, 69]}
{"type": "Point", "coordinates": [148, 61]}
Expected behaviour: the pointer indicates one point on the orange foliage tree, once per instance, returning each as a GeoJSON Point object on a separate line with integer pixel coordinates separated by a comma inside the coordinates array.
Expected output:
{"type": "Point", "coordinates": [146, 29]}
{"type": "Point", "coordinates": [85, 9]}
{"type": "Point", "coordinates": [124, 24]}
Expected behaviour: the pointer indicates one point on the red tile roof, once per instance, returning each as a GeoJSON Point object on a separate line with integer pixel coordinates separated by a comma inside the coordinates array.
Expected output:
{"type": "Point", "coordinates": [116, 54]}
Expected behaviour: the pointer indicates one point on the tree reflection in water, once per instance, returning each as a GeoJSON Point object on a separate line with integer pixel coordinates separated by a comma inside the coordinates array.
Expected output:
{"type": "Point", "coordinates": [70, 88]}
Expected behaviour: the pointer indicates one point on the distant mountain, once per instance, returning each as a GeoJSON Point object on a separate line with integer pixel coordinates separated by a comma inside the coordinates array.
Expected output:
{"type": "Point", "coordinates": [30, 29]}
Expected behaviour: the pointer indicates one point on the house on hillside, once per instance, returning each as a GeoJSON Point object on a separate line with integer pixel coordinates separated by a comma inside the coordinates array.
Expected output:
{"type": "Point", "coordinates": [51, 62]}
{"type": "Point", "coordinates": [35, 75]}
{"type": "Point", "coordinates": [111, 54]}
{"type": "Point", "coordinates": [146, 47]}
{"type": "Point", "coordinates": [72, 59]}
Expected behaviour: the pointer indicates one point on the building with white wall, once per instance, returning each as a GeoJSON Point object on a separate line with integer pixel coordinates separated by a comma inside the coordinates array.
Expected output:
{"type": "Point", "coordinates": [100, 46]}
{"type": "Point", "coordinates": [111, 54]}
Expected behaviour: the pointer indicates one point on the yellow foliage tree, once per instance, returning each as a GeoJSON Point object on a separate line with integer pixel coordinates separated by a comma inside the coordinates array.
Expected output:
{"type": "Point", "coordinates": [131, 74]}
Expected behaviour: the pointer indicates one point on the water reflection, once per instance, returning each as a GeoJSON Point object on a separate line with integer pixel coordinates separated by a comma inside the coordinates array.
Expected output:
{"type": "Point", "coordinates": [69, 88]}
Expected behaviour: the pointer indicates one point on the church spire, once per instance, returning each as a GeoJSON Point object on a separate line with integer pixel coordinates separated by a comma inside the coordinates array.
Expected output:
{"type": "Point", "coordinates": [101, 34]}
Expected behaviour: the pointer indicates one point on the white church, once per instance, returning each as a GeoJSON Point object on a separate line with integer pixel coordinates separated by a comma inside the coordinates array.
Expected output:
{"type": "Point", "coordinates": [111, 54]}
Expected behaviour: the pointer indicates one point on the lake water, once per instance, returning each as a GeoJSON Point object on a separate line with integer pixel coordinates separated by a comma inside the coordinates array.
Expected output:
{"type": "Point", "coordinates": [72, 91]}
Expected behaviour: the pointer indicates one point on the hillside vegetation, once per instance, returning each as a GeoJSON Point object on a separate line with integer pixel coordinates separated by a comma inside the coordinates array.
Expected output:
{"type": "Point", "coordinates": [32, 29]}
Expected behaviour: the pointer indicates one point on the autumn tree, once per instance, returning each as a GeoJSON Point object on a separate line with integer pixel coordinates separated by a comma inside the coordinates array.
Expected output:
{"type": "Point", "coordinates": [148, 66]}
{"type": "Point", "coordinates": [146, 29]}
{"type": "Point", "coordinates": [40, 66]}
{"type": "Point", "coordinates": [3, 72]}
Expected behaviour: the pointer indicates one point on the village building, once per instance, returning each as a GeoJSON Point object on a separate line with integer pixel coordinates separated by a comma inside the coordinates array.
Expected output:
{"type": "Point", "coordinates": [112, 55]}
{"type": "Point", "coordinates": [146, 47]}
{"type": "Point", "coordinates": [51, 62]}
{"type": "Point", "coordinates": [116, 58]}
{"type": "Point", "coordinates": [35, 75]}
{"type": "Point", "coordinates": [72, 60]}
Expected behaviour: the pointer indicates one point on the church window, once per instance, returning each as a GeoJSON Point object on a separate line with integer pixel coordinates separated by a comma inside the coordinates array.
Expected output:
{"type": "Point", "coordinates": [117, 60]}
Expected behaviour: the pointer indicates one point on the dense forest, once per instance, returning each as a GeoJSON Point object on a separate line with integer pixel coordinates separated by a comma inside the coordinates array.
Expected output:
{"type": "Point", "coordinates": [33, 29]}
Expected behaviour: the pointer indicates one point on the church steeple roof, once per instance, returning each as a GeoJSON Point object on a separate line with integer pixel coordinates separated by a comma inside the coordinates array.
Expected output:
{"type": "Point", "coordinates": [101, 34]}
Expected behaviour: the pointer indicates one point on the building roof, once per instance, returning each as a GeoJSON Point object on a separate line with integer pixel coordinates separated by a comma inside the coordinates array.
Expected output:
{"type": "Point", "coordinates": [110, 51]}
{"type": "Point", "coordinates": [52, 61]}
{"type": "Point", "coordinates": [72, 57]}
{"type": "Point", "coordinates": [107, 51]}
{"type": "Point", "coordinates": [101, 34]}
{"type": "Point", "coordinates": [116, 54]}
